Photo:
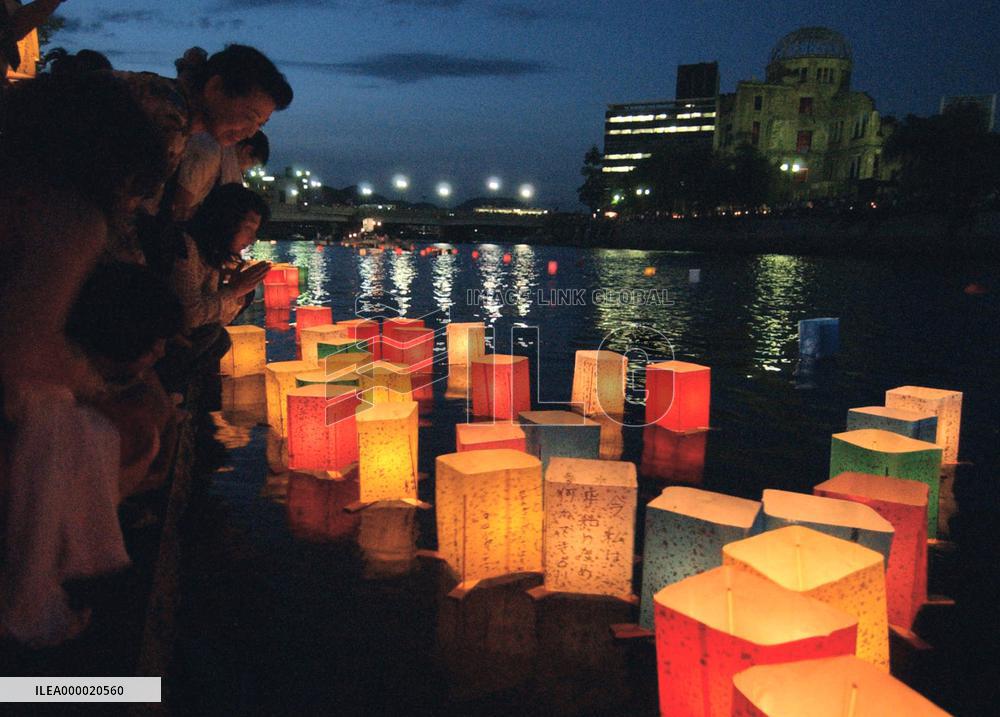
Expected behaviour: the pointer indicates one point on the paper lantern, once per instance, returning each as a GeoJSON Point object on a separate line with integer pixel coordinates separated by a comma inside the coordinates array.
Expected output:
{"type": "Point", "coordinates": [339, 346]}
{"type": "Point", "coordinates": [489, 513]}
{"type": "Point", "coordinates": [391, 341]}
{"type": "Point", "coordinates": [387, 451]}
{"type": "Point", "coordinates": [829, 687]}
{"type": "Point", "coordinates": [306, 316]}
{"type": "Point", "coordinates": [844, 575]}
{"type": "Point", "coordinates": [322, 434]}
{"type": "Point", "coordinates": [279, 379]}
{"type": "Point", "coordinates": [465, 342]}
{"type": "Point", "coordinates": [904, 504]}
{"type": "Point", "coordinates": [246, 356]}
{"type": "Point", "coordinates": [720, 622]}
{"type": "Point", "coordinates": [612, 438]}
{"type": "Point", "coordinates": [677, 395]}
{"type": "Point", "coordinates": [277, 318]}
{"type": "Point", "coordinates": [414, 348]}
{"type": "Point", "coordinates": [387, 537]}
{"type": "Point", "coordinates": [276, 292]}
{"type": "Point", "coordinates": [365, 330]}
{"type": "Point", "coordinates": [673, 456]}
{"type": "Point", "coordinates": [685, 531]}
{"type": "Point", "coordinates": [560, 433]}
{"type": "Point", "coordinates": [484, 436]}
{"type": "Point", "coordinates": [385, 382]}
{"type": "Point", "coordinates": [590, 526]}
{"type": "Point", "coordinates": [946, 405]}
{"type": "Point", "coordinates": [458, 382]}
{"type": "Point", "coordinates": [344, 377]}
{"type": "Point", "coordinates": [422, 384]}
{"type": "Point", "coordinates": [912, 424]}
{"type": "Point", "coordinates": [840, 518]}
{"type": "Point", "coordinates": [320, 333]}
{"type": "Point", "coordinates": [890, 454]}
{"type": "Point", "coordinates": [599, 383]}
{"type": "Point", "coordinates": [243, 400]}
{"type": "Point", "coordinates": [819, 338]}
{"type": "Point", "coordinates": [501, 386]}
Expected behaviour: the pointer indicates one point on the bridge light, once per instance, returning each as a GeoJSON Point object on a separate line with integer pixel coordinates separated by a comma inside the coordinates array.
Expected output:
{"type": "Point", "coordinates": [366, 190]}
{"type": "Point", "coordinates": [444, 190]}
{"type": "Point", "coordinates": [400, 182]}
{"type": "Point", "coordinates": [526, 191]}
{"type": "Point", "coordinates": [493, 184]}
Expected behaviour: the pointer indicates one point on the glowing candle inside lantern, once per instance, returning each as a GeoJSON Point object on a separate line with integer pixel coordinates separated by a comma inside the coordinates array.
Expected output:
{"type": "Point", "coordinates": [489, 512]}
{"type": "Point", "coordinates": [715, 624]}
{"type": "Point", "coordinates": [306, 316]}
{"type": "Point", "coordinates": [320, 333]}
{"type": "Point", "coordinates": [385, 382]}
{"type": "Point", "coordinates": [367, 331]}
{"type": "Point", "coordinates": [678, 457]}
{"type": "Point", "coordinates": [590, 526]}
{"type": "Point", "coordinates": [279, 379]}
{"type": "Point", "coordinates": [560, 433]}
{"type": "Point", "coordinates": [685, 531]}
{"type": "Point", "coordinates": [387, 451]}
{"type": "Point", "coordinates": [246, 355]}
{"type": "Point", "coordinates": [322, 434]}
{"type": "Point", "coordinates": [466, 341]}
{"type": "Point", "coordinates": [828, 687]}
{"type": "Point", "coordinates": [904, 504]}
{"type": "Point", "coordinates": [484, 436]}
{"type": "Point", "coordinates": [890, 454]}
{"type": "Point", "coordinates": [844, 575]}
{"type": "Point", "coordinates": [912, 424]}
{"type": "Point", "coordinates": [415, 348]}
{"type": "Point", "coordinates": [501, 386]}
{"type": "Point", "coordinates": [599, 383]}
{"type": "Point", "coordinates": [819, 338]}
{"type": "Point", "coordinates": [678, 395]}
{"type": "Point", "coordinates": [946, 405]}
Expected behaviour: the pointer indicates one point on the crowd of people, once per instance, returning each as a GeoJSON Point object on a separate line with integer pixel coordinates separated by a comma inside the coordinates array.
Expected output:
{"type": "Point", "coordinates": [123, 221]}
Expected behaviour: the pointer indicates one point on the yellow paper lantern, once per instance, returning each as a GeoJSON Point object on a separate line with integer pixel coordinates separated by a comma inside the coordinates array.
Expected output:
{"type": "Point", "coordinates": [387, 451]}
{"type": "Point", "coordinates": [466, 342]}
{"type": "Point", "coordinates": [314, 335]}
{"type": "Point", "coordinates": [946, 405]}
{"type": "Point", "coordinates": [385, 382]}
{"type": "Point", "coordinates": [599, 383]}
{"type": "Point", "coordinates": [590, 526]}
{"type": "Point", "coordinates": [246, 356]}
{"type": "Point", "coordinates": [279, 379]}
{"type": "Point", "coordinates": [489, 513]}
{"type": "Point", "coordinates": [844, 575]}
{"type": "Point", "coordinates": [243, 399]}
{"type": "Point", "coordinates": [458, 383]}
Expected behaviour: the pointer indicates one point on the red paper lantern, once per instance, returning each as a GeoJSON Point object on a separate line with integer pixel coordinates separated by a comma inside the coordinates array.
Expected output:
{"type": "Point", "coordinates": [366, 330]}
{"type": "Point", "coordinates": [501, 386]}
{"type": "Point", "coordinates": [506, 258]}
{"type": "Point", "coordinates": [322, 433]}
{"type": "Point", "coordinates": [677, 395]}
{"type": "Point", "coordinates": [553, 267]}
{"type": "Point", "coordinates": [306, 316]}
{"type": "Point", "coordinates": [414, 348]}
{"type": "Point", "coordinates": [475, 254]}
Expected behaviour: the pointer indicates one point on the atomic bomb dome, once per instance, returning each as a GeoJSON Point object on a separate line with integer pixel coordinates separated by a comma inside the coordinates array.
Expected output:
{"type": "Point", "coordinates": [811, 42]}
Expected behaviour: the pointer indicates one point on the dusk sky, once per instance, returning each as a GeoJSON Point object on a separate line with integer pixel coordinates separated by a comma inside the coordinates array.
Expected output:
{"type": "Point", "coordinates": [458, 90]}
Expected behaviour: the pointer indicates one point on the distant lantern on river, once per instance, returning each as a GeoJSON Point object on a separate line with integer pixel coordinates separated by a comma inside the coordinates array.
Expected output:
{"type": "Point", "coordinates": [319, 333]}
{"type": "Point", "coordinates": [367, 331]}
{"type": "Point", "coordinates": [842, 574]}
{"type": "Point", "coordinates": [819, 338]}
{"type": "Point", "coordinates": [685, 531]}
{"type": "Point", "coordinates": [946, 405]}
{"type": "Point", "coordinates": [599, 383]}
{"type": "Point", "coordinates": [501, 386]}
{"type": "Point", "coordinates": [246, 355]}
{"type": "Point", "coordinates": [387, 451]}
{"type": "Point", "coordinates": [715, 624]}
{"type": "Point", "coordinates": [306, 316]}
{"type": "Point", "coordinates": [466, 341]}
{"type": "Point", "coordinates": [560, 433]}
{"type": "Point", "coordinates": [385, 382]}
{"type": "Point", "coordinates": [678, 394]}
{"type": "Point", "coordinates": [912, 424]}
{"type": "Point", "coordinates": [322, 434]}
{"type": "Point", "coordinates": [485, 436]}
{"type": "Point", "coordinates": [590, 526]}
{"type": "Point", "coordinates": [506, 258]}
{"type": "Point", "coordinates": [279, 379]}
{"type": "Point", "coordinates": [489, 513]}
{"type": "Point", "coordinates": [553, 267]}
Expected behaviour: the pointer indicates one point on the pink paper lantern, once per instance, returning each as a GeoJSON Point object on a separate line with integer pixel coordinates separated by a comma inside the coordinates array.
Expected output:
{"type": "Point", "coordinates": [322, 434]}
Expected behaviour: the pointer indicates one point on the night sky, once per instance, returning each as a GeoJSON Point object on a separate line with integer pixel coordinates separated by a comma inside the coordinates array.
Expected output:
{"type": "Point", "coordinates": [458, 90]}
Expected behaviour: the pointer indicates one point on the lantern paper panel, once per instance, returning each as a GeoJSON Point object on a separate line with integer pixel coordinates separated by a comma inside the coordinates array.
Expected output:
{"type": "Point", "coordinates": [489, 512]}
{"type": "Point", "coordinates": [306, 316]}
{"type": "Point", "coordinates": [826, 687]}
{"type": "Point", "coordinates": [870, 450]}
{"type": "Point", "coordinates": [590, 526]}
{"type": "Point", "coordinates": [344, 377]}
{"type": "Point", "coordinates": [685, 531]}
{"type": "Point", "coordinates": [912, 424]}
{"type": "Point", "coordinates": [612, 437]}
{"type": "Point", "coordinates": [320, 333]}
{"type": "Point", "coordinates": [322, 434]}
{"type": "Point", "coordinates": [414, 347]}
{"type": "Point", "coordinates": [279, 379]}
{"type": "Point", "coordinates": [246, 355]}
{"type": "Point", "coordinates": [390, 341]}
{"type": "Point", "coordinates": [387, 451]}
{"type": "Point", "coordinates": [290, 274]}
{"type": "Point", "coordinates": [385, 382]}
{"type": "Point", "coordinates": [466, 341]}
{"type": "Point", "coordinates": [678, 394]}
{"type": "Point", "coordinates": [844, 575]}
{"type": "Point", "coordinates": [840, 518]}
{"type": "Point", "coordinates": [387, 537]}
{"type": "Point", "coordinates": [501, 386]}
{"type": "Point", "coordinates": [946, 405]}
{"type": "Point", "coordinates": [484, 436]}
{"type": "Point", "coordinates": [365, 330]}
{"type": "Point", "coordinates": [718, 623]}
{"type": "Point", "coordinates": [819, 338]}
{"type": "Point", "coordinates": [560, 433]}
{"type": "Point", "coordinates": [276, 292]}
{"type": "Point", "coordinates": [904, 504]}
{"type": "Point", "coordinates": [674, 456]}
{"type": "Point", "coordinates": [458, 382]}
{"type": "Point", "coordinates": [599, 383]}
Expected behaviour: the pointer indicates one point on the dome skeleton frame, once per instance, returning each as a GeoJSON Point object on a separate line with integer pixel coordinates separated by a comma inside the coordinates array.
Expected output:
{"type": "Point", "coordinates": [811, 42]}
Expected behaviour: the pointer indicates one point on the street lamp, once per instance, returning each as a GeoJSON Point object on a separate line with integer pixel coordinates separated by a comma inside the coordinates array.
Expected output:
{"type": "Point", "coordinates": [444, 190]}
{"type": "Point", "coordinates": [493, 184]}
{"type": "Point", "coordinates": [526, 191]}
{"type": "Point", "coordinates": [401, 182]}
{"type": "Point", "coordinates": [365, 189]}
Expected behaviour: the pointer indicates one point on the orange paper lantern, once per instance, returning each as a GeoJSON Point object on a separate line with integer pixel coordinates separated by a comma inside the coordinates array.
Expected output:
{"type": "Point", "coordinates": [458, 383]}
{"type": "Point", "coordinates": [384, 382]}
{"type": "Point", "coordinates": [279, 379]}
{"type": "Point", "coordinates": [367, 331]}
{"type": "Point", "coordinates": [390, 341]}
{"type": "Point", "coordinates": [317, 334]}
{"type": "Point", "coordinates": [387, 451]}
{"type": "Point", "coordinates": [306, 316]}
{"type": "Point", "coordinates": [246, 355]}
{"type": "Point", "coordinates": [677, 395]}
{"type": "Point", "coordinates": [501, 386]}
{"type": "Point", "coordinates": [414, 348]}
{"type": "Point", "coordinates": [946, 405]}
{"type": "Point", "coordinates": [276, 292]}
{"type": "Point", "coordinates": [599, 383]}
{"type": "Point", "coordinates": [322, 434]}
{"type": "Point", "coordinates": [466, 341]}
{"type": "Point", "coordinates": [485, 436]}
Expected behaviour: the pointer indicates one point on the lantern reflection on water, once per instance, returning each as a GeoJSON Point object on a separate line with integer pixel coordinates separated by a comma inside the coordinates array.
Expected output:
{"type": "Point", "coordinates": [243, 399]}
{"type": "Point", "coordinates": [946, 405]}
{"type": "Point", "coordinates": [673, 456]}
{"type": "Point", "coordinates": [844, 575]}
{"type": "Point", "coordinates": [560, 433]}
{"type": "Point", "coordinates": [315, 506]}
{"type": "Point", "coordinates": [911, 424]}
{"type": "Point", "coordinates": [279, 380]}
{"type": "Point", "coordinates": [277, 318]}
{"type": "Point", "coordinates": [387, 451]}
{"type": "Point", "coordinates": [685, 531]}
{"type": "Point", "coordinates": [320, 333]}
{"type": "Point", "coordinates": [599, 383]}
{"type": "Point", "coordinates": [715, 624]}
{"type": "Point", "coordinates": [458, 383]}
{"type": "Point", "coordinates": [590, 526]}
{"type": "Point", "coordinates": [501, 386]}
{"type": "Point", "coordinates": [246, 355]}
{"type": "Point", "coordinates": [387, 537]}
{"type": "Point", "coordinates": [322, 434]}
{"type": "Point", "coordinates": [466, 341]}
{"type": "Point", "coordinates": [483, 436]}
{"type": "Point", "coordinates": [306, 316]}
{"type": "Point", "coordinates": [678, 395]}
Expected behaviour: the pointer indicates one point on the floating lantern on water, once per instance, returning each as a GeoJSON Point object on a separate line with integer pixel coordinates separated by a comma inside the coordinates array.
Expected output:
{"type": "Point", "coordinates": [387, 451]}
{"type": "Point", "coordinates": [590, 526]}
{"type": "Point", "coordinates": [890, 454]}
{"type": "Point", "coordinates": [819, 338]}
{"type": "Point", "coordinates": [553, 267]}
{"type": "Point", "coordinates": [322, 434]}
{"type": "Point", "coordinates": [685, 531]}
{"type": "Point", "coordinates": [279, 380]}
{"type": "Point", "coordinates": [385, 382]}
{"type": "Point", "coordinates": [458, 382]}
{"type": "Point", "coordinates": [599, 383]}
{"type": "Point", "coordinates": [678, 395]}
{"type": "Point", "coordinates": [560, 433]}
{"type": "Point", "coordinates": [904, 504]}
{"type": "Point", "coordinates": [715, 624]}
{"type": "Point", "coordinates": [276, 293]}
{"type": "Point", "coordinates": [506, 258]}
{"type": "Point", "coordinates": [306, 316]}
{"type": "Point", "coordinates": [489, 513]}
{"type": "Point", "coordinates": [946, 405]}
{"type": "Point", "coordinates": [846, 576]}
{"type": "Point", "coordinates": [672, 456]}
{"type": "Point", "coordinates": [389, 327]}
{"type": "Point", "coordinates": [367, 331]}
{"type": "Point", "coordinates": [246, 355]}
{"type": "Point", "coordinates": [485, 436]}
{"type": "Point", "coordinates": [475, 254]}
{"type": "Point", "coordinates": [415, 348]}
{"type": "Point", "coordinates": [830, 687]}
{"type": "Point", "coordinates": [912, 424]}
{"type": "Point", "coordinates": [501, 386]}
{"type": "Point", "coordinates": [840, 518]}
{"type": "Point", "coordinates": [649, 271]}
{"type": "Point", "coordinates": [320, 333]}
{"type": "Point", "coordinates": [466, 341]}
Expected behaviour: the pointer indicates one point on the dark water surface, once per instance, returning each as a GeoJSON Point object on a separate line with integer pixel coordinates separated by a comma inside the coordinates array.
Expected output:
{"type": "Point", "coordinates": [296, 607]}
